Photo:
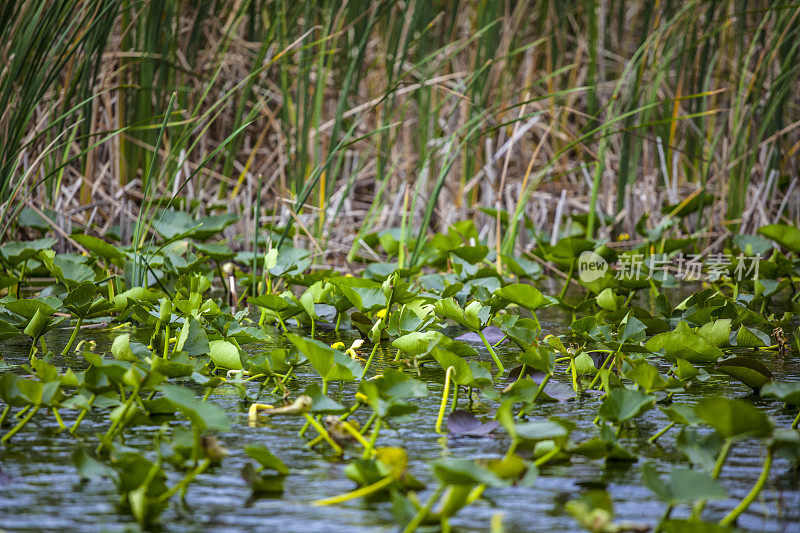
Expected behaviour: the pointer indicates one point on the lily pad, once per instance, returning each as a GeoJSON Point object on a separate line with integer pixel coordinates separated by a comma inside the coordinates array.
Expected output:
{"type": "Point", "coordinates": [733, 418]}
{"type": "Point", "coordinates": [225, 354]}
{"type": "Point", "coordinates": [748, 370]}
{"type": "Point", "coordinates": [465, 423]}
{"type": "Point", "coordinates": [682, 485]}
{"type": "Point", "coordinates": [685, 345]}
{"type": "Point", "coordinates": [623, 404]}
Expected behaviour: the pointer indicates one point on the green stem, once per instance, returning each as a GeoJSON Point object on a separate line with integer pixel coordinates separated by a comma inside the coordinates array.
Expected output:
{"type": "Point", "coordinates": [424, 510]}
{"type": "Point", "coordinates": [358, 493]}
{"type": "Point", "coordinates": [58, 418]}
{"type": "Point", "coordinates": [369, 359]}
{"type": "Point", "coordinates": [697, 509]}
{"type": "Point", "coordinates": [19, 425]}
{"type": "Point", "coordinates": [182, 484]}
{"type": "Point", "coordinates": [72, 337]}
{"type": "Point", "coordinates": [113, 429]}
{"type": "Point", "coordinates": [4, 415]}
{"type": "Point", "coordinates": [82, 414]}
{"type": "Point", "coordinates": [491, 352]}
{"type": "Point", "coordinates": [566, 283]}
{"type": "Point", "coordinates": [731, 517]}
{"type": "Point", "coordinates": [600, 370]}
{"type": "Point", "coordinates": [655, 437]}
{"type": "Point", "coordinates": [373, 439]}
{"type": "Point", "coordinates": [546, 457]}
{"type": "Point", "coordinates": [445, 395]}
{"type": "Point", "coordinates": [454, 404]}
{"type": "Point", "coordinates": [664, 518]}
{"type": "Point", "coordinates": [322, 431]}
{"type": "Point", "coordinates": [796, 421]}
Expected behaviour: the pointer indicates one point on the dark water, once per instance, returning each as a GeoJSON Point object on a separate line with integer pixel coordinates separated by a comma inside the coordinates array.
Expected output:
{"type": "Point", "coordinates": [40, 490]}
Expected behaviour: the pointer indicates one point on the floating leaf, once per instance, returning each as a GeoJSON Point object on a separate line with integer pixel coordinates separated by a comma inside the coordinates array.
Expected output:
{"type": "Point", "coordinates": [453, 471]}
{"type": "Point", "coordinates": [750, 338]}
{"type": "Point", "coordinates": [685, 345]}
{"type": "Point", "coordinates": [330, 364]}
{"type": "Point", "coordinates": [784, 391]}
{"type": "Point", "coordinates": [526, 296]}
{"type": "Point", "coordinates": [681, 414]}
{"type": "Point", "coordinates": [225, 354]}
{"type": "Point", "coordinates": [682, 485]}
{"type": "Point", "coordinates": [623, 404]}
{"type": "Point", "coordinates": [748, 370]}
{"type": "Point", "coordinates": [717, 332]}
{"type": "Point", "coordinates": [785, 235]}
{"type": "Point", "coordinates": [265, 458]}
{"type": "Point", "coordinates": [204, 415]}
{"type": "Point", "coordinates": [733, 418]}
{"type": "Point", "coordinates": [366, 295]}
{"type": "Point", "coordinates": [465, 423]}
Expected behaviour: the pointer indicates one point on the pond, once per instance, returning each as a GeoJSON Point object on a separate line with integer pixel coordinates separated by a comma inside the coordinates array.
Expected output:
{"type": "Point", "coordinates": [43, 491]}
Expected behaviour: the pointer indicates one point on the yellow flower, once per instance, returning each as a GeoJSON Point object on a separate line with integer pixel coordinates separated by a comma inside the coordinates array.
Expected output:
{"type": "Point", "coordinates": [339, 345]}
{"type": "Point", "coordinates": [381, 313]}
{"type": "Point", "coordinates": [624, 237]}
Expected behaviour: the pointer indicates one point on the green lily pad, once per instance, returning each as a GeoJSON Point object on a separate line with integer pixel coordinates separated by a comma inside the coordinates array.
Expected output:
{"type": "Point", "coordinates": [525, 296]}
{"type": "Point", "coordinates": [733, 418]}
{"type": "Point", "coordinates": [682, 485]}
{"type": "Point", "coordinates": [784, 391]}
{"type": "Point", "coordinates": [623, 404]}
{"type": "Point", "coordinates": [685, 345]}
{"type": "Point", "coordinates": [331, 364]}
{"type": "Point", "coordinates": [204, 415]}
{"type": "Point", "coordinates": [748, 370]}
{"type": "Point", "coordinates": [785, 235]}
{"type": "Point", "coordinates": [225, 354]}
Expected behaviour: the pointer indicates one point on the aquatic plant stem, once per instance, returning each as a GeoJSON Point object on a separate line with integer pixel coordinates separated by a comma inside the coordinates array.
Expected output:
{"type": "Point", "coordinates": [369, 359]}
{"type": "Point", "coordinates": [58, 418]}
{"type": "Point", "coordinates": [113, 429]}
{"type": "Point", "coordinates": [424, 510]}
{"type": "Point", "coordinates": [575, 383]}
{"type": "Point", "coordinates": [19, 425]}
{"type": "Point", "coordinates": [723, 454]}
{"type": "Point", "coordinates": [323, 432]}
{"type": "Point", "coordinates": [358, 493]}
{"type": "Point", "coordinates": [796, 421]}
{"type": "Point", "coordinates": [182, 484]}
{"type": "Point", "coordinates": [73, 336]}
{"type": "Point", "coordinates": [731, 517]}
{"type": "Point", "coordinates": [445, 395]}
{"type": "Point", "coordinates": [316, 440]}
{"type": "Point", "coordinates": [454, 403]}
{"type": "Point", "coordinates": [566, 283]}
{"type": "Point", "coordinates": [356, 435]}
{"type": "Point", "coordinates": [491, 352]}
{"type": "Point", "coordinates": [373, 439]}
{"type": "Point", "coordinates": [536, 395]}
{"type": "Point", "coordinates": [608, 362]}
{"type": "Point", "coordinates": [82, 414]}
{"type": "Point", "coordinates": [666, 428]}
{"type": "Point", "coordinates": [4, 415]}
{"type": "Point", "coordinates": [546, 457]}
